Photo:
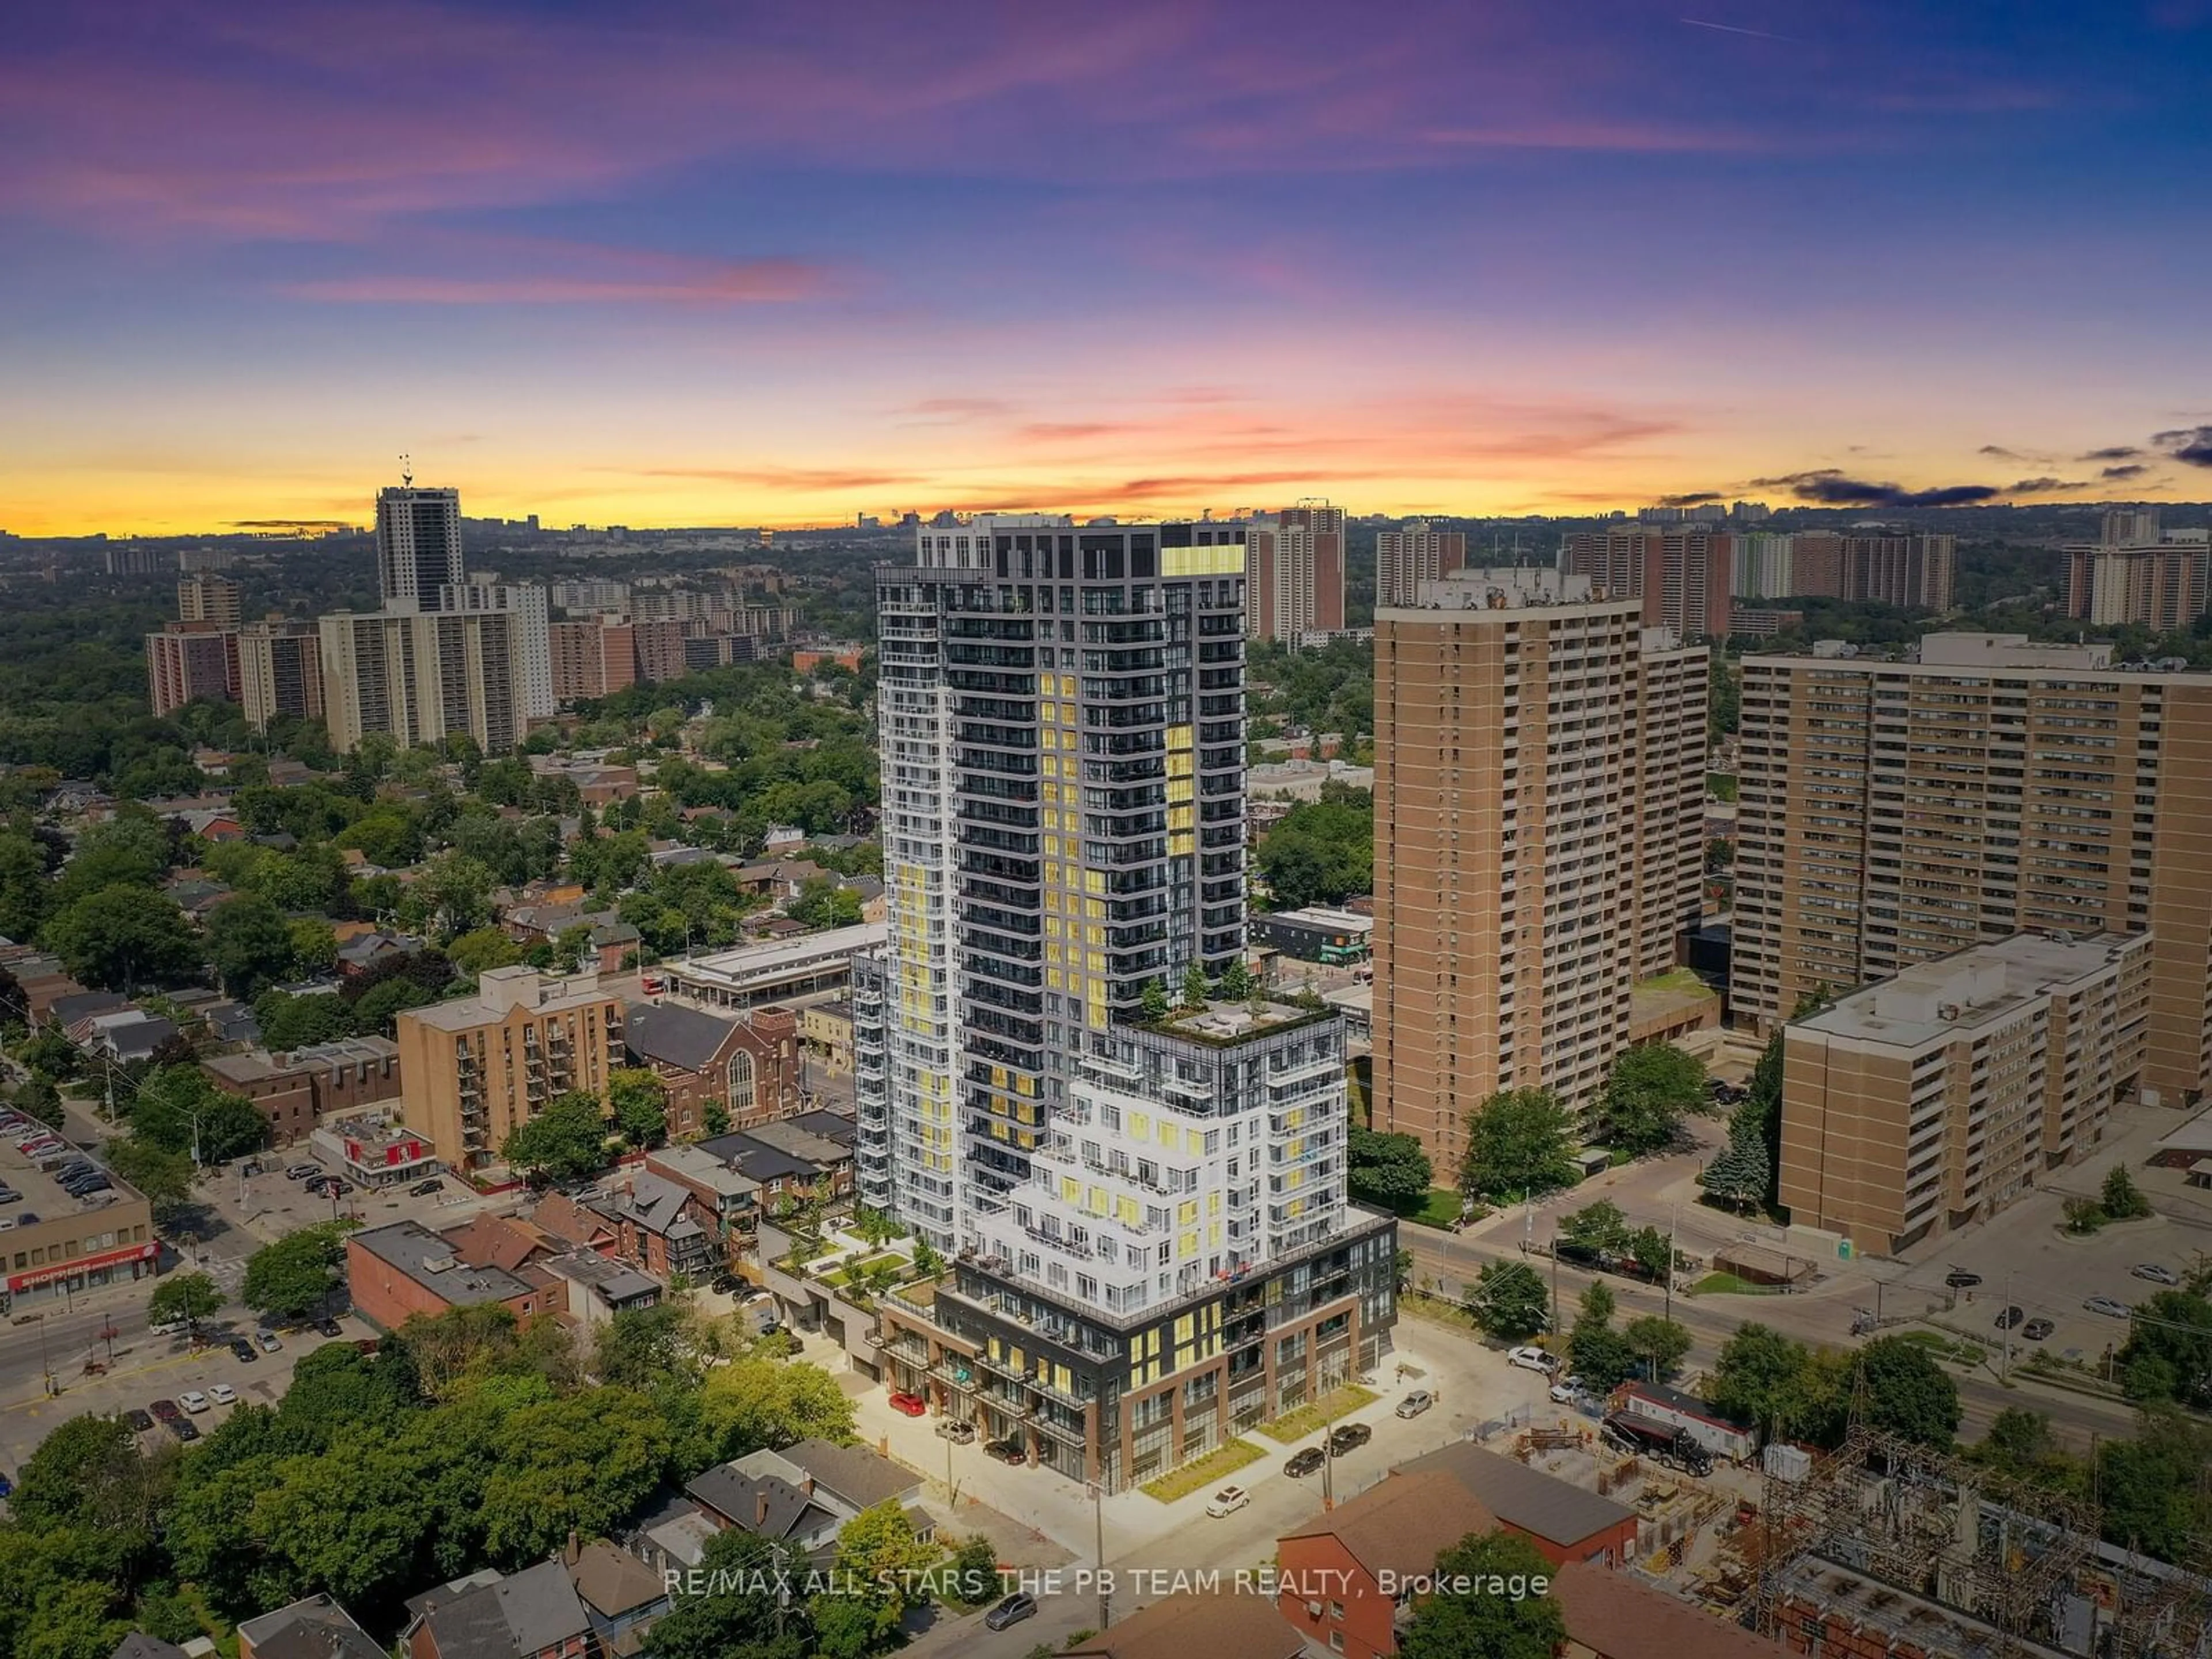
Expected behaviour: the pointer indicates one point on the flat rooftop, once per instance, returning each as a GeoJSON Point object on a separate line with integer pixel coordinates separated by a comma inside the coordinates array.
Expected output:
{"type": "Point", "coordinates": [1322, 915]}
{"type": "Point", "coordinates": [1233, 1022]}
{"type": "Point", "coordinates": [42, 1196]}
{"type": "Point", "coordinates": [757, 962]}
{"type": "Point", "coordinates": [1934, 1001]}
{"type": "Point", "coordinates": [428, 1259]}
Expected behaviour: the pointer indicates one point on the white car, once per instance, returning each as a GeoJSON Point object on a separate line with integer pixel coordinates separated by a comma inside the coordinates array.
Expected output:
{"type": "Point", "coordinates": [1228, 1501]}
{"type": "Point", "coordinates": [193, 1401]}
{"type": "Point", "coordinates": [168, 1328]}
{"type": "Point", "coordinates": [1533, 1359]}
{"type": "Point", "coordinates": [222, 1393]}
{"type": "Point", "coordinates": [1568, 1390]}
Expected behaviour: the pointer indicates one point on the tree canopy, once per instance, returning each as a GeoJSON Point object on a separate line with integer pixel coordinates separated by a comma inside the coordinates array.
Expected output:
{"type": "Point", "coordinates": [1519, 1142]}
{"type": "Point", "coordinates": [567, 1141]}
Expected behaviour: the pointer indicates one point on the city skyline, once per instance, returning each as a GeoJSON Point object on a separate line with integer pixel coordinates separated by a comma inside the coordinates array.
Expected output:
{"type": "Point", "coordinates": [775, 275]}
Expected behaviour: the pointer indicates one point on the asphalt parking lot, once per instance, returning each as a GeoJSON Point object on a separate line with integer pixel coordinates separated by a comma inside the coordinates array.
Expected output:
{"type": "Point", "coordinates": [270, 1205]}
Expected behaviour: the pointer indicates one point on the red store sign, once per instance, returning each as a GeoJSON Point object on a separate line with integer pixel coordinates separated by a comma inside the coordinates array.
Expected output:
{"type": "Point", "coordinates": [18, 1283]}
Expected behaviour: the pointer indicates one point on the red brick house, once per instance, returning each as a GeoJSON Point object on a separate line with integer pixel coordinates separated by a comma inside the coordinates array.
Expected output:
{"type": "Point", "coordinates": [1338, 1571]}
{"type": "Point", "coordinates": [1566, 1523]}
{"type": "Point", "coordinates": [402, 1269]}
{"type": "Point", "coordinates": [532, 1614]}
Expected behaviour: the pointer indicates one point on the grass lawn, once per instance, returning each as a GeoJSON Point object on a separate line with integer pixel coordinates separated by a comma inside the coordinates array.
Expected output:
{"type": "Point", "coordinates": [1437, 1310]}
{"type": "Point", "coordinates": [1222, 1462]}
{"type": "Point", "coordinates": [1729, 1284]}
{"type": "Point", "coordinates": [1958, 1349]}
{"type": "Point", "coordinates": [1337, 1403]}
{"type": "Point", "coordinates": [1439, 1209]}
{"type": "Point", "coordinates": [1674, 979]}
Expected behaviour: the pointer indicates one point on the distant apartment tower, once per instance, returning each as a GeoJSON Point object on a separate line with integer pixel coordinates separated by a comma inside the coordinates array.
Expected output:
{"type": "Point", "coordinates": [1294, 573]}
{"type": "Point", "coordinates": [280, 672]}
{"type": "Point", "coordinates": [1538, 784]}
{"type": "Point", "coordinates": [597, 657]}
{"type": "Point", "coordinates": [420, 675]}
{"type": "Point", "coordinates": [1915, 571]}
{"type": "Point", "coordinates": [2160, 586]}
{"type": "Point", "coordinates": [1896, 812]}
{"type": "Point", "coordinates": [189, 661]}
{"type": "Point", "coordinates": [2131, 526]}
{"type": "Point", "coordinates": [205, 597]}
{"type": "Point", "coordinates": [533, 654]}
{"type": "Point", "coordinates": [1682, 577]}
{"type": "Point", "coordinates": [1762, 566]}
{"type": "Point", "coordinates": [1937, 1097]}
{"type": "Point", "coordinates": [1415, 553]}
{"type": "Point", "coordinates": [474, 1070]}
{"type": "Point", "coordinates": [418, 545]}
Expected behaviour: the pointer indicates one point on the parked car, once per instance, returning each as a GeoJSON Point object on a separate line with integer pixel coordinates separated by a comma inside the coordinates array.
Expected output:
{"type": "Point", "coordinates": [1305, 1463]}
{"type": "Point", "coordinates": [2111, 1307]}
{"type": "Point", "coordinates": [329, 1327]}
{"type": "Point", "coordinates": [269, 1342]}
{"type": "Point", "coordinates": [725, 1284]}
{"type": "Point", "coordinates": [2156, 1274]}
{"type": "Point", "coordinates": [952, 1428]}
{"type": "Point", "coordinates": [1567, 1391]}
{"type": "Point", "coordinates": [185, 1429]}
{"type": "Point", "coordinates": [1007, 1451]}
{"type": "Point", "coordinates": [302, 1171]}
{"type": "Point", "coordinates": [244, 1350]}
{"type": "Point", "coordinates": [1227, 1501]}
{"type": "Point", "coordinates": [1016, 1607]}
{"type": "Point", "coordinates": [2011, 1317]}
{"type": "Point", "coordinates": [166, 1410]}
{"type": "Point", "coordinates": [1416, 1402]}
{"type": "Point", "coordinates": [910, 1405]}
{"type": "Point", "coordinates": [1348, 1437]}
{"type": "Point", "coordinates": [2036, 1329]}
{"type": "Point", "coordinates": [222, 1393]}
{"type": "Point", "coordinates": [193, 1402]}
{"type": "Point", "coordinates": [168, 1328]}
{"type": "Point", "coordinates": [424, 1189]}
{"type": "Point", "coordinates": [7, 1487]}
{"type": "Point", "coordinates": [1960, 1279]}
{"type": "Point", "coordinates": [10, 1195]}
{"type": "Point", "coordinates": [140, 1420]}
{"type": "Point", "coordinates": [1533, 1359]}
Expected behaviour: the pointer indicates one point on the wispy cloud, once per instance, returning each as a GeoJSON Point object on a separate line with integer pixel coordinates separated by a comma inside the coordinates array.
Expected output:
{"type": "Point", "coordinates": [759, 282]}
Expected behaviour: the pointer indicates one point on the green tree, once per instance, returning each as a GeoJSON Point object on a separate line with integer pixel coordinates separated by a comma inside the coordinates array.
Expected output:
{"type": "Point", "coordinates": [1759, 1378]}
{"type": "Point", "coordinates": [314, 944]}
{"type": "Point", "coordinates": [976, 1570]}
{"type": "Point", "coordinates": [1907, 1391]}
{"type": "Point", "coordinates": [189, 1297]}
{"type": "Point", "coordinates": [756, 1401]}
{"type": "Point", "coordinates": [290, 1278]}
{"type": "Point", "coordinates": [1237, 982]}
{"type": "Point", "coordinates": [163, 1177]}
{"type": "Point", "coordinates": [567, 1141]}
{"type": "Point", "coordinates": [582, 1464]}
{"type": "Point", "coordinates": [1660, 1344]}
{"type": "Point", "coordinates": [1740, 1175]}
{"type": "Point", "coordinates": [120, 938]}
{"type": "Point", "coordinates": [484, 948]}
{"type": "Point", "coordinates": [2169, 1353]}
{"type": "Point", "coordinates": [1193, 987]}
{"type": "Point", "coordinates": [740, 1615]}
{"type": "Point", "coordinates": [823, 903]}
{"type": "Point", "coordinates": [1601, 1356]}
{"type": "Point", "coordinates": [1493, 1622]}
{"type": "Point", "coordinates": [90, 1473]}
{"type": "Point", "coordinates": [1652, 1252]}
{"type": "Point", "coordinates": [639, 1101]}
{"type": "Point", "coordinates": [1595, 1229]}
{"type": "Point", "coordinates": [2021, 1444]}
{"type": "Point", "coordinates": [1509, 1300]}
{"type": "Point", "coordinates": [1520, 1142]}
{"type": "Point", "coordinates": [377, 1009]}
{"type": "Point", "coordinates": [178, 1108]}
{"type": "Point", "coordinates": [2153, 1486]}
{"type": "Point", "coordinates": [451, 895]}
{"type": "Point", "coordinates": [25, 897]}
{"type": "Point", "coordinates": [2120, 1197]}
{"type": "Point", "coordinates": [248, 944]}
{"type": "Point", "coordinates": [1649, 1090]}
{"type": "Point", "coordinates": [288, 1022]}
{"type": "Point", "coordinates": [1390, 1171]}
{"type": "Point", "coordinates": [642, 1347]}
{"type": "Point", "coordinates": [1154, 1002]}
{"type": "Point", "coordinates": [878, 1549]}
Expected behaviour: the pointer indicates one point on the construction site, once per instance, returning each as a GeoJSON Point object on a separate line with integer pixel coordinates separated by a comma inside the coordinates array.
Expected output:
{"type": "Point", "coordinates": [1886, 1549]}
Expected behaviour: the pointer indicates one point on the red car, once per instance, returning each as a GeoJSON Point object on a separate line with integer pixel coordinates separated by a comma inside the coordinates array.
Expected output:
{"type": "Point", "coordinates": [912, 1404]}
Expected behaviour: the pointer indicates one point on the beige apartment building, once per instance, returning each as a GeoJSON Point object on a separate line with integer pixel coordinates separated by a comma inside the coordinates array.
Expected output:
{"type": "Point", "coordinates": [1415, 553]}
{"type": "Point", "coordinates": [280, 672]}
{"type": "Point", "coordinates": [1294, 573]}
{"type": "Point", "coordinates": [1894, 812]}
{"type": "Point", "coordinates": [474, 1069]}
{"type": "Point", "coordinates": [420, 675]}
{"type": "Point", "coordinates": [1938, 1097]}
{"type": "Point", "coordinates": [1539, 795]}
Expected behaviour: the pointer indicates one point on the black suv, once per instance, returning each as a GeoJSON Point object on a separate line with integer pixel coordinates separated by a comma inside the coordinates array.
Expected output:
{"type": "Point", "coordinates": [1007, 1451]}
{"type": "Point", "coordinates": [1305, 1463]}
{"type": "Point", "coordinates": [1348, 1437]}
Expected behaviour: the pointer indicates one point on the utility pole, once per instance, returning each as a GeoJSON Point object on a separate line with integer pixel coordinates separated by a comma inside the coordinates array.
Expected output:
{"type": "Point", "coordinates": [2007, 1317]}
{"type": "Point", "coordinates": [1674, 1224]}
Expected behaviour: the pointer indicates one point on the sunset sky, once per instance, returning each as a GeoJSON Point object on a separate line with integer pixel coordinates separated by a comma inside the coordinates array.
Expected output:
{"type": "Point", "coordinates": [738, 264]}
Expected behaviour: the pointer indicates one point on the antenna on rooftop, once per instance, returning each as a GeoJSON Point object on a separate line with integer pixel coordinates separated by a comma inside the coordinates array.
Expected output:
{"type": "Point", "coordinates": [406, 471]}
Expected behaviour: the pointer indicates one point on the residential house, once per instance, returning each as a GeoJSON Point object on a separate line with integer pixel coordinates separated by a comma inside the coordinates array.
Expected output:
{"type": "Point", "coordinates": [77, 1009]}
{"type": "Point", "coordinates": [748, 1066]}
{"type": "Point", "coordinates": [785, 1175]}
{"type": "Point", "coordinates": [576, 1226]}
{"type": "Point", "coordinates": [402, 1269]}
{"type": "Point", "coordinates": [610, 939]}
{"type": "Point", "coordinates": [599, 1288]}
{"type": "Point", "coordinates": [1361, 1552]}
{"type": "Point", "coordinates": [139, 1645]}
{"type": "Point", "coordinates": [726, 1201]}
{"type": "Point", "coordinates": [802, 1495]}
{"type": "Point", "coordinates": [825, 1030]}
{"type": "Point", "coordinates": [782, 838]}
{"type": "Point", "coordinates": [1566, 1523]}
{"type": "Point", "coordinates": [622, 1596]}
{"type": "Point", "coordinates": [779, 880]}
{"type": "Point", "coordinates": [356, 955]}
{"type": "Point", "coordinates": [1193, 1625]}
{"type": "Point", "coordinates": [126, 1036]}
{"type": "Point", "coordinates": [535, 1614]}
{"type": "Point", "coordinates": [316, 1628]}
{"type": "Point", "coordinates": [659, 1226]}
{"type": "Point", "coordinates": [856, 1479]}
